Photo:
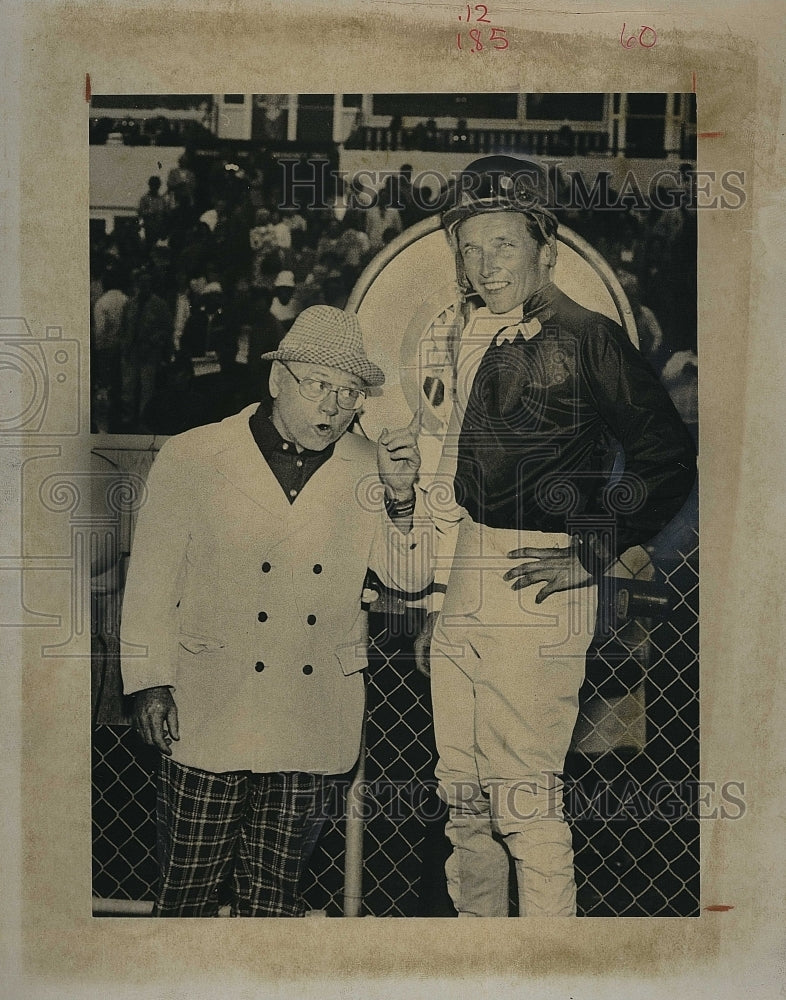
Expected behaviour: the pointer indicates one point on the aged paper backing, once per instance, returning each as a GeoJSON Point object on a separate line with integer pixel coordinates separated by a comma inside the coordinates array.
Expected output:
{"type": "Point", "coordinates": [733, 53]}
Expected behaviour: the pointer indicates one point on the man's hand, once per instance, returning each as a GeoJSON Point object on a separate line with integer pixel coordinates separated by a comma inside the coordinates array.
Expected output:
{"type": "Point", "coordinates": [155, 717]}
{"type": "Point", "coordinates": [398, 459]}
{"type": "Point", "coordinates": [559, 569]}
{"type": "Point", "coordinates": [422, 644]}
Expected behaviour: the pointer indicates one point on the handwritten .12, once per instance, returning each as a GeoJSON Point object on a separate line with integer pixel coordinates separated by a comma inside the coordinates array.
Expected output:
{"type": "Point", "coordinates": [645, 39]}
{"type": "Point", "coordinates": [484, 17]}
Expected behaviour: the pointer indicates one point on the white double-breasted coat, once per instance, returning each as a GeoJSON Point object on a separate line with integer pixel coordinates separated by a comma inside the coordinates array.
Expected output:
{"type": "Point", "coordinates": [249, 607]}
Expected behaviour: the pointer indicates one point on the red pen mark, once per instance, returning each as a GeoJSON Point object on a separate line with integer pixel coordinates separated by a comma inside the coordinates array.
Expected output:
{"type": "Point", "coordinates": [651, 37]}
{"type": "Point", "coordinates": [719, 908]}
{"type": "Point", "coordinates": [496, 37]}
{"type": "Point", "coordinates": [711, 135]}
{"type": "Point", "coordinates": [88, 91]}
{"type": "Point", "coordinates": [694, 81]}
{"type": "Point", "coordinates": [646, 38]}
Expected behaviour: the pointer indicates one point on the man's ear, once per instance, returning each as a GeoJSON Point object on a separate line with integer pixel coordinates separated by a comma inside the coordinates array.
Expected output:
{"type": "Point", "coordinates": [551, 253]}
{"type": "Point", "coordinates": [274, 381]}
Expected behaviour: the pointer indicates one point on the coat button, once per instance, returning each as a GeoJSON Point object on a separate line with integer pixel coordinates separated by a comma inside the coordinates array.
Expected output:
{"type": "Point", "coordinates": [259, 666]}
{"type": "Point", "coordinates": [312, 619]}
{"type": "Point", "coordinates": [318, 568]}
{"type": "Point", "coordinates": [266, 567]}
{"type": "Point", "coordinates": [262, 616]}
{"type": "Point", "coordinates": [308, 669]}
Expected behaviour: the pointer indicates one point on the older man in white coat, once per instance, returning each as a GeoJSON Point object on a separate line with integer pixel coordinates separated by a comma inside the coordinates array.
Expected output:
{"type": "Point", "coordinates": [243, 618]}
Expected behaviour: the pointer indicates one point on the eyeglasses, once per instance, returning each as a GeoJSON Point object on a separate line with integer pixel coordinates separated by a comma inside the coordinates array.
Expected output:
{"type": "Point", "coordinates": [316, 390]}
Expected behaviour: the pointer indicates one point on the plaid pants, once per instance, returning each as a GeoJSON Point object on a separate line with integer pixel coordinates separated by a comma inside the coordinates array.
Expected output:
{"type": "Point", "coordinates": [252, 830]}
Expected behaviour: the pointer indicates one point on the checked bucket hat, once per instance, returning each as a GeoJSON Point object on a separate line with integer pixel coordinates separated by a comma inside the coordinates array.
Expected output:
{"type": "Point", "coordinates": [328, 336]}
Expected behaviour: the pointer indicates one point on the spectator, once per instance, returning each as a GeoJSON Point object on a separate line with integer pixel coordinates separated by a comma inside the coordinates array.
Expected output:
{"type": "Point", "coordinates": [256, 185]}
{"type": "Point", "coordinates": [412, 211]}
{"type": "Point", "coordinates": [269, 269]}
{"type": "Point", "coordinates": [651, 343]}
{"type": "Point", "coordinates": [214, 215]}
{"type": "Point", "coordinates": [177, 405]}
{"type": "Point", "coordinates": [300, 257]}
{"type": "Point", "coordinates": [281, 231]}
{"type": "Point", "coordinates": [328, 241]}
{"type": "Point", "coordinates": [353, 244]}
{"type": "Point", "coordinates": [159, 260]}
{"type": "Point", "coordinates": [152, 212]}
{"type": "Point", "coordinates": [205, 332]}
{"type": "Point", "coordinates": [260, 333]}
{"type": "Point", "coordinates": [394, 132]}
{"type": "Point", "coordinates": [107, 351]}
{"type": "Point", "coordinates": [350, 205]}
{"type": "Point", "coordinates": [182, 309]}
{"type": "Point", "coordinates": [380, 217]}
{"type": "Point", "coordinates": [96, 282]}
{"type": "Point", "coordinates": [263, 244]}
{"type": "Point", "coordinates": [334, 290]}
{"type": "Point", "coordinates": [283, 307]}
{"type": "Point", "coordinates": [294, 221]}
{"type": "Point", "coordinates": [424, 135]}
{"type": "Point", "coordinates": [147, 345]}
{"type": "Point", "coordinates": [312, 292]}
{"type": "Point", "coordinates": [197, 252]}
{"type": "Point", "coordinates": [181, 183]}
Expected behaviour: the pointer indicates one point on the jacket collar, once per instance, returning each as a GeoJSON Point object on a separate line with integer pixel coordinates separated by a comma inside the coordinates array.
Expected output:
{"type": "Point", "coordinates": [238, 459]}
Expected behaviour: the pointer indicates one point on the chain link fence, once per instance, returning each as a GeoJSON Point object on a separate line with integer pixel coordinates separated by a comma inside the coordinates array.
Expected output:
{"type": "Point", "coordinates": [630, 778]}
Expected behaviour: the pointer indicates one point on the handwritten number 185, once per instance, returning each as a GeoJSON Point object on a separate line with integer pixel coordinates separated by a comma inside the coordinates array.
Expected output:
{"type": "Point", "coordinates": [646, 38]}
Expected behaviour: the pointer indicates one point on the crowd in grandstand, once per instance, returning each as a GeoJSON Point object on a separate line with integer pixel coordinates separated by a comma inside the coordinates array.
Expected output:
{"type": "Point", "coordinates": [213, 272]}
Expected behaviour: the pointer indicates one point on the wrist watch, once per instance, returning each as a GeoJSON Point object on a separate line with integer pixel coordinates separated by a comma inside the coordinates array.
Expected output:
{"type": "Point", "coordinates": [400, 508]}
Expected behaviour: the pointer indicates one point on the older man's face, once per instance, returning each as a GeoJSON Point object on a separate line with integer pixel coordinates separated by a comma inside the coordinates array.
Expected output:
{"type": "Point", "coordinates": [309, 423]}
{"type": "Point", "coordinates": [503, 262]}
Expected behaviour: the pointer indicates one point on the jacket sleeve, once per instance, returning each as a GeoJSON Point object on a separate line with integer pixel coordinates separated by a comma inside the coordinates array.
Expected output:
{"type": "Point", "coordinates": [404, 562]}
{"type": "Point", "coordinates": [149, 621]}
{"type": "Point", "coordinates": [660, 458]}
{"type": "Point", "coordinates": [443, 509]}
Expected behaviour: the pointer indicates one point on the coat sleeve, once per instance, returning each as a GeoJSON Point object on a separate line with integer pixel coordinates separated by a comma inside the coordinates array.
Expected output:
{"type": "Point", "coordinates": [149, 621]}
{"type": "Point", "coordinates": [439, 500]}
{"type": "Point", "coordinates": [404, 562]}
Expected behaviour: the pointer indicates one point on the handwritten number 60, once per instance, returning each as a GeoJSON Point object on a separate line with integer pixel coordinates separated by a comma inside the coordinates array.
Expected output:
{"type": "Point", "coordinates": [646, 38]}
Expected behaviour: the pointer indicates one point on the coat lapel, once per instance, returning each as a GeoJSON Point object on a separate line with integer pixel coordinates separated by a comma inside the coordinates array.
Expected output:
{"type": "Point", "coordinates": [340, 480]}
{"type": "Point", "coordinates": [239, 461]}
